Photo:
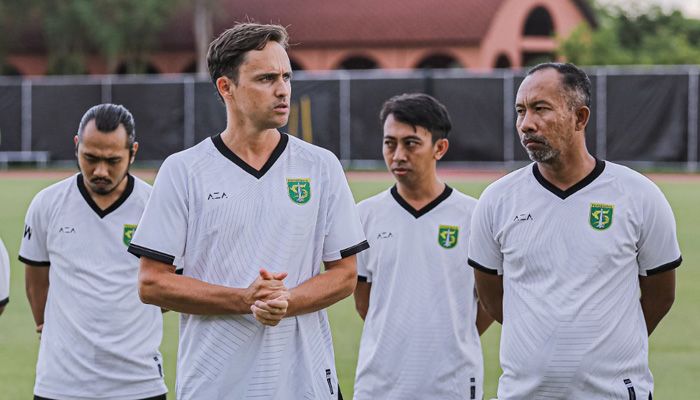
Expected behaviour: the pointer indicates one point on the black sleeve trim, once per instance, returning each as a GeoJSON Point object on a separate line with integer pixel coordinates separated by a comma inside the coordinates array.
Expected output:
{"type": "Point", "coordinates": [666, 267]}
{"type": "Point", "coordinates": [3, 303]}
{"type": "Point", "coordinates": [139, 251]}
{"type": "Point", "coordinates": [179, 271]}
{"type": "Point", "coordinates": [34, 263]}
{"type": "Point", "coordinates": [354, 249]}
{"type": "Point", "coordinates": [361, 278]}
{"type": "Point", "coordinates": [481, 268]}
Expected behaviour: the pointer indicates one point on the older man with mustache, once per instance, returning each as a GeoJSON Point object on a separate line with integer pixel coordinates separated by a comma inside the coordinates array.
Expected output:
{"type": "Point", "coordinates": [562, 249]}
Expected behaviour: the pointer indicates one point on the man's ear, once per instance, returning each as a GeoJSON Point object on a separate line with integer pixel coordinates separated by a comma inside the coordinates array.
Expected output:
{"type": "Point", "coordinates": [440, 148]}
{"type": "Point", "coordinates": [224, 86]}
{"type": "Point", "coordinates": [582, 116]}
{"type": "Point", "coordinates": [76, 140]}
{"type": "Point", "coordinates": [132, 152]}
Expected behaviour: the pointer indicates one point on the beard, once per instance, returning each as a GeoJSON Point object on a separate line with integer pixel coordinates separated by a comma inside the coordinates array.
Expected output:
{"type": "Point", "coordinates": [545, 154]}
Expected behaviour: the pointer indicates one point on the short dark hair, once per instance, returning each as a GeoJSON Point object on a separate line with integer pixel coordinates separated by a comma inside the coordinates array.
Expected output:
{"type": "Point", "coordinates": [107, 118]}
{"type": "Point", "coordinates": [227, 52]}
{"type": "Point", "coordinates": [574, 80]}
{"type": "Point", "coordinates": [419, 109]}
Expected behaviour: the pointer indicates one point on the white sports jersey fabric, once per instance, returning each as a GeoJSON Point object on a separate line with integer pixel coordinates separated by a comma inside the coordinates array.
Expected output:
{"type": "Point", "coordinates": [99, 341]}
{"type": "Point", "coordinates": [573, 325]}
{"type": "Point", "coordinates": [419, 339]}
{"type": "Point", "coordinates": [226, 220]}
{"type": "Point", "coordinates": [4, 275]}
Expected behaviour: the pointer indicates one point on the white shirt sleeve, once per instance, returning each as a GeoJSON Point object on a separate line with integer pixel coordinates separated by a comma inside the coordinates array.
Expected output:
{"type": "Point", "coordinates": [657, 248]}
{"type": "Point", "coordinates": [344, 236]}
{"type": "Point", "coordinates": [364, 272]}
{"type": "Point", "coordinates": [33, 250]}
{"type": "Point", "coordinates": [484, 249]}
{"type": "Point", "coordinates": [161, 234]}
{"type": "Point", "coordinates": [4, 275]}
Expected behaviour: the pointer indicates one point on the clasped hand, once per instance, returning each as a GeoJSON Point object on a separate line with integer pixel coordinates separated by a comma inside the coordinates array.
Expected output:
{"type": "Point", "coordinates": [269, 298]}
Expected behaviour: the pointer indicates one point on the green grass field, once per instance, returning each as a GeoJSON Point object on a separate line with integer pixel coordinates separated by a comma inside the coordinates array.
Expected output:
{"type": "Point", "coordinates": [675, 347]}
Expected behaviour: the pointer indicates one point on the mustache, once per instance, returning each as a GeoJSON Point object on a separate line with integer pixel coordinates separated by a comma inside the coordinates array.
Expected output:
{"type": "Point", "coordinates": [533, 138]}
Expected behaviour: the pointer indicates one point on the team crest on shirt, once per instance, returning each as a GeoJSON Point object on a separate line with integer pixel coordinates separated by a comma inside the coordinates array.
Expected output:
{"type": "Point", "coordinates": [299, 190]}
{"type": "Point", "coordinates": [601, 216]}
{"type": "Point", "coordinates": [448, 236]}
{"type": "Point", "coordinates": [128, 233]}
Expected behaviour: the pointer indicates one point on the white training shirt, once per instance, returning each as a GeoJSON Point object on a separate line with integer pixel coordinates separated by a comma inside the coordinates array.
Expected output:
{"type": "Point", "coordinates": [419, 339]}
{"type": "Point", "coordinates": [4, 275]}
{"type": "Point", "coordinates": [225, 221]}
{"type": "Point", "coordinates": [573, 326]}
{"type": "Point", "coordinates": [99, 340]}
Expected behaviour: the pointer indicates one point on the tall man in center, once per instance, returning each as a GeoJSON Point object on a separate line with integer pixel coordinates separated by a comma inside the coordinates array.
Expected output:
{"type": "Point", "coordinates": [252, 213]}
{"type": "Point", "coordinates": [415, 291]}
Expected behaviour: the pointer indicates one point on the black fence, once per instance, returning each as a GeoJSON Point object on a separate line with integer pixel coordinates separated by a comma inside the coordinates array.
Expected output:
{"type": "Point", "coordinates": [639, 115]}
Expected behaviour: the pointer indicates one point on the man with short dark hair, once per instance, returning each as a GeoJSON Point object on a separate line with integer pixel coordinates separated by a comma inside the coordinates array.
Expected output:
{"type": "Point", "coordinates": [98, 341]}
{"type": "Point", "coordinates": [415, 292]}
{"type": "Point", "coordinates": [562, 250]}
{"type": "Point", "coordinates": [252, 213]}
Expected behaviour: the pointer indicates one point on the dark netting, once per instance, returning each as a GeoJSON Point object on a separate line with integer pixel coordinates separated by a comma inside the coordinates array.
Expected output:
{"type": "Point", "coordinates": [647, 118]}
{"type": "Point", "coordinates": [11, 116]}
{"type": "Point", "coordinates": [210, 113]}
{"type": "Point", "coordinates": [158, 111]}
{"type": "Point", "coordinates": [476, 108]}
{"type": "Point", "coordinates": [367, 97]}
{"type": "Point", "coordinates": [315, 113]}
{"type": "Point", "coordinates": [56, 113]}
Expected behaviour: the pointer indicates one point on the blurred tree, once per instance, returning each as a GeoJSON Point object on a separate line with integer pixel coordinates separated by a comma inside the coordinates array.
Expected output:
{"type": "Point", "coordinates": [121, 31]}
{"type": "Point", "coordinates": [127, 30]}
{"type": "Point", "coordinates": [635, 36]}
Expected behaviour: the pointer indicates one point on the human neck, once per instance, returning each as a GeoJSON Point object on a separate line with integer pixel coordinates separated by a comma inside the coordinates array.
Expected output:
{"type": "Point", "coordinates": [253, 146]}
{"type": "Point", "coordinates": [104, 201]}
{"type": "Point", "coordinates": [420, 194]}
{"type": "Point", "coordinates": [568, 170]}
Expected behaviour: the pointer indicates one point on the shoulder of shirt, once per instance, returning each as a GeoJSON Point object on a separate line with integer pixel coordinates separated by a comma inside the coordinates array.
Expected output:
{"type": "Point", "coordinates": [462, 199]}
{"type": "Point", "coordinates": [505, 183]}
{"type": "Point", "coordinates": [310, 151]}
{"type": "Point", "coordinates": [186, 158]}
{"type": "Point", "coordinates": [374, 202]}
{"type": "Point", "coordinates": [57, 188]}
{"type": "Point", "coordinates": [628, 178]}
{"type": "Point", "coordinates": [141, 187]}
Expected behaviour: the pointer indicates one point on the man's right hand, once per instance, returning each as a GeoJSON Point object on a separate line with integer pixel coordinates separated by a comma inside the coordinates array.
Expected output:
{"type": "Point", "coordinates": [266, 287]}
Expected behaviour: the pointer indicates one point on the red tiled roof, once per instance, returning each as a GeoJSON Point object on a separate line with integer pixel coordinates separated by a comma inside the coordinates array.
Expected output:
{"type": "Point", "coordinates": [358, 22]}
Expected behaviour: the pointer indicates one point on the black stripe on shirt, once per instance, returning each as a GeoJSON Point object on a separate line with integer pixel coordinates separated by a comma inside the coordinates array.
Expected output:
{"type": "Point", "coordinates": [139, 251]}
{"type": "Point", "coordinates": [4, 302]}
{"type": "Point", "coordinates": [361, 278]}
{"type": "Point", "coordinates": [481, 268]}
{"type": "Point", "coordinates": [34, 263]}
{"type": "Point", "coordinates": [665, 267]}
{"type": "Point", "coordinates": [354, 249]}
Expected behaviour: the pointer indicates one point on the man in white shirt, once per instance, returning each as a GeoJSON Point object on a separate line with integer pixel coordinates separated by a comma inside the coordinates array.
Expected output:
{"type": "Point", "coordinates": [562, 249]}
{"type": "Point", "coordinates": [251, 213]}
{"type": "Point", "coordinates": [415, 291]}
{"type": "Point", "coordinates": [98, 341]}
{"type": "Point", "coordinates": [4, 277]}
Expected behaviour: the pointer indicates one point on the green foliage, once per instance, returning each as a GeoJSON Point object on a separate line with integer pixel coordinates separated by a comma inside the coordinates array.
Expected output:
{"type": "Point", "coordinates": [635, 36]}
{"type": "Point", "coordinates": [118, 30]}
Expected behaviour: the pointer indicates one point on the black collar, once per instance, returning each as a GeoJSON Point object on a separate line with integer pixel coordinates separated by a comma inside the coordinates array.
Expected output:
{"type": "Point", "coordinates": [563, 194]}
{"type": "Point", "coordinates": [418, 213]}
{"type": "Point", "coordinates": [276, 153]}
{"type": "Point", "coordinates": [100, 212]}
